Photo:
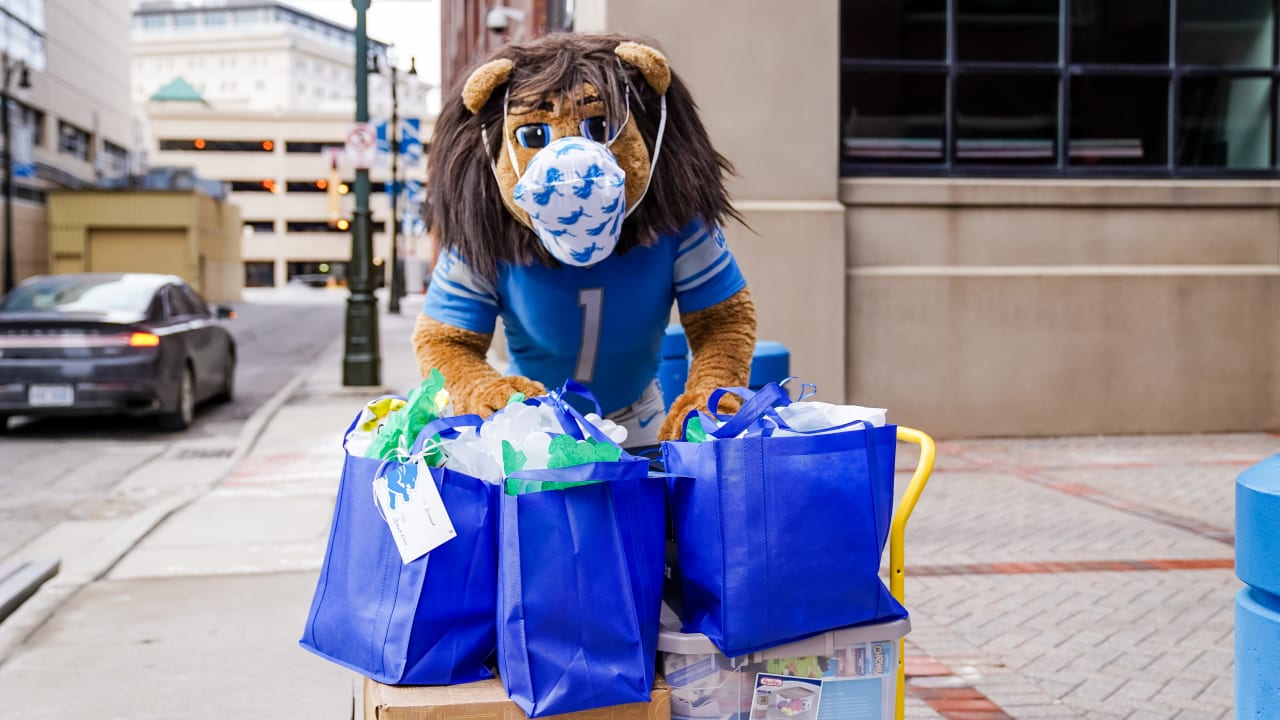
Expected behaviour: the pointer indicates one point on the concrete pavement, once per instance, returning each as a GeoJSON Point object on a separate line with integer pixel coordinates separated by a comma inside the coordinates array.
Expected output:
{"type": "Point", "coordinates": [1072, 578]}
{"type": "Point", "coordinates": [194, 610]}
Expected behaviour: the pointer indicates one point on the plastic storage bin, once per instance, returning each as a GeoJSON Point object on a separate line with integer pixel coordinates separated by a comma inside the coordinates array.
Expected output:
{"type": "Point", "coordinates": [846, 674]}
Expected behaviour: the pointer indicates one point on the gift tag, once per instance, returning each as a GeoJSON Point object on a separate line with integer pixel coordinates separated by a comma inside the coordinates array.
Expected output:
{"type": "Point", "coordinates": [411, 505]}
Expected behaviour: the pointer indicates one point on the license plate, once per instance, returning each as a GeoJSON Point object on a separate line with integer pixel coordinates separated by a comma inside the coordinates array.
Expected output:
{"type": "Point", "coordinates": [51, 395]}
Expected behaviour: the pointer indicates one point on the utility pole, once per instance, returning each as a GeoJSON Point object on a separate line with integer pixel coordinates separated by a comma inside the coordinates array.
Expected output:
{"type": "Point", "coordinates": [393, 303]}
{"type": "Point", "coordinates": [361, 361]}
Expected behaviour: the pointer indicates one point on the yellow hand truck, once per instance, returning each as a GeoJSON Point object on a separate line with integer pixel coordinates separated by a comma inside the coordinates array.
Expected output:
{"type": "Point", "coordinates": [897, 541]}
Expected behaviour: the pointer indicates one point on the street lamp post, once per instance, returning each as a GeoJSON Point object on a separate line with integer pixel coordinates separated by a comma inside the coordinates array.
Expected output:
{"type": "Point", "coordinates": [361, 361]}
{"type": "Point", "coordinates": [393, 301]}
{"type": "Point", "coordinates": [24, 82]}
{"type": "Point", "coordinates": [397, 275]}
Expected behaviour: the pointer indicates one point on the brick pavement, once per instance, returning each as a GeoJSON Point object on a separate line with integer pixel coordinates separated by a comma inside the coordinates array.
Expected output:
{"type": "Point", "coordinates": [1076, 578]}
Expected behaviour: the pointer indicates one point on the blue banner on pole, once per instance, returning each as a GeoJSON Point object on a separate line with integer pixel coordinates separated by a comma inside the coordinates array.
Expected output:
{"type": "Point", "coordinates": [411, 139]}
{"type": "Point", "coordinates": [384, 140]}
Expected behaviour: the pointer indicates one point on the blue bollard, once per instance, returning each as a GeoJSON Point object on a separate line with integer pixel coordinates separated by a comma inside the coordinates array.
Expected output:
{"type": "Point", "coordinates": [1257, 632]}
{"type": "Point", "coordinates": [771, 362]}
{"type": "Point", "coordinates": [673, 370]}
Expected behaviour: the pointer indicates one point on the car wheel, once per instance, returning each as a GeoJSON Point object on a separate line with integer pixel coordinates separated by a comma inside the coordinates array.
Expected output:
{"type": "Point", "coordinates": [228, 391]}
{"type": "Point", "coordinates": [184, 410]}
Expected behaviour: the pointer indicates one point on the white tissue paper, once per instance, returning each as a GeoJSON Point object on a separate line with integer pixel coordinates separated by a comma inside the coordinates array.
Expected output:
{"type": "Point", "coordinates": [528, 429]}
{"type": "Point", "coordinates": [818, 418]}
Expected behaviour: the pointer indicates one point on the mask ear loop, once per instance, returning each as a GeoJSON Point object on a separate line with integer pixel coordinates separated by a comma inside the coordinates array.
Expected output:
{"type": "Point", "coordinates": [511, 152]}
{"type": "Point", "coordinates": [657, 149]}
{"type": "Point", "coordinates": [506, 134]}
{"type": "Point", "coordinates": [625, 119]}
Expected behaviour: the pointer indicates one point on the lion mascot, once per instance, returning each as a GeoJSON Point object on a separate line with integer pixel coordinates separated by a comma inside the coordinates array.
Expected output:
{"type": "Point", "coordinates": [574, 193]}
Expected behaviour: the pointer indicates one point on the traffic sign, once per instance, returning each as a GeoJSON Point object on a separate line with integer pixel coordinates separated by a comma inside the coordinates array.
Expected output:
{"type": "Point", "coordinates": [362, 145]}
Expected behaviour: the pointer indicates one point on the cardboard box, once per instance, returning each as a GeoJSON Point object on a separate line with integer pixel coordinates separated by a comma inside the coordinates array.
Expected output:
{"type": "Point", "coordinates": [486, 700]}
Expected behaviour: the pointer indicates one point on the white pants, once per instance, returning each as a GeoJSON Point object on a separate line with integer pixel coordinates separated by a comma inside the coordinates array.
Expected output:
{"type": "Point", "coordinates": [642, 418]}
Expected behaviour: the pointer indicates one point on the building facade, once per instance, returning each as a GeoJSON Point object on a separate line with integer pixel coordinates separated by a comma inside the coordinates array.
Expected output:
{"type": "Point", "coordinates": [71, 125]}
{"type": "Point", "coordinates": [466, 34]}
{"type": "Point", "coordinates": [260, 95]}
{"type": "Point", "coordinates": [1038, 217]}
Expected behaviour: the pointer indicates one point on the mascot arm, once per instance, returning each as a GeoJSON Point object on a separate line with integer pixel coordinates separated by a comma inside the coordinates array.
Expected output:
{"type": "Point", "coordinates": [475, 386]}
{"type": "Point", "coordinates": [723, 339]}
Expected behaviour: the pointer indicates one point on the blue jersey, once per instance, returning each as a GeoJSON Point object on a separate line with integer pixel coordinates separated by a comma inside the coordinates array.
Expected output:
{"type": "Point", "coordinates": [603, 325]}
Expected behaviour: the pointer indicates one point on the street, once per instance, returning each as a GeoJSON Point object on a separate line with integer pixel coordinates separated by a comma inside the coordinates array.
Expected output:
{"type": "Point", "coordinates": [60, 469]}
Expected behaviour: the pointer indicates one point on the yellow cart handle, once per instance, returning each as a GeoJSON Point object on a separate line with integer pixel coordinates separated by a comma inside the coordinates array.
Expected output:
{"type": "Point", "coordinates": [897, 539]}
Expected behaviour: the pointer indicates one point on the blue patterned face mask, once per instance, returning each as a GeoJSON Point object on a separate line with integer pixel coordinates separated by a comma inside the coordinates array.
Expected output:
{"type": "Point", "coordinates": [576, 198]}
{"type": "Point", "coordinates": [575, 193]}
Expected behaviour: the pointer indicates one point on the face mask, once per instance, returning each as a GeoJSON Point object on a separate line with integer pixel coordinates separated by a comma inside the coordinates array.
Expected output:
{"type": "Point", "coordinates": [575, 194]}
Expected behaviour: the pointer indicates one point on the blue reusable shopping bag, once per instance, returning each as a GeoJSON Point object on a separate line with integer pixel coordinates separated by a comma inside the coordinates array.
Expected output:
{"type": "Point", "coordinates": [428, 622]}
{"type": "Point", "coordinates": [781, 537]}
{"type": "Point", "coordinates": [580, 588]}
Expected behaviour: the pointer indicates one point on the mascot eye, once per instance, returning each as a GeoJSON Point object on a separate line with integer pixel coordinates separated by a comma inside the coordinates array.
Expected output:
{"type": "Point", "coordinates": [536, 135]}
{"type": "Point", "coordinates": [596, 128]}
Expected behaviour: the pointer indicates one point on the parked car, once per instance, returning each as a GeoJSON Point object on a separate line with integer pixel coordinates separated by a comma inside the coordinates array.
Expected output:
{"type": "Point", "coordinates": [102, 343]}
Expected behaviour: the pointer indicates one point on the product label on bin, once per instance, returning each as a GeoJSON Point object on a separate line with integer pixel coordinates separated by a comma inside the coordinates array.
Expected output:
{"type": "Point", "coordinates": [779, 697]}
{"type": "Point", "coordinates": [410, 503]}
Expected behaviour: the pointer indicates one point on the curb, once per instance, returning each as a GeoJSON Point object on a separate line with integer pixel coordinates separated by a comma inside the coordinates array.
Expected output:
{"type": "Point", "coordinates": [37, 610]}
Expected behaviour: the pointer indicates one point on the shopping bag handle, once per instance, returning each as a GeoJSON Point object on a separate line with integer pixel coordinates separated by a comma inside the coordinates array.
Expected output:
{"type": "Point", "coordinates": [447, 426]}
{"type": "Point", "coordinates": [572, 421]}
{"type": "Point", "coordinates": [760, 404]}
{"type": "Point", "coordinates": [713, 400]}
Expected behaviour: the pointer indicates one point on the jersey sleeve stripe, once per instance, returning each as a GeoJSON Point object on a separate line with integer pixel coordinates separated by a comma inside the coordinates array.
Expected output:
{"type": "Point", "coordinates": [456, 271]}
{"type": "Point", "coordinates": [693, 241]}
{"type": "Point", "coordinates": [701, 258]}
{"type": "Point", "coordinates": [706, 274]}
{"type": "Point", "coordinates": [455, 289]}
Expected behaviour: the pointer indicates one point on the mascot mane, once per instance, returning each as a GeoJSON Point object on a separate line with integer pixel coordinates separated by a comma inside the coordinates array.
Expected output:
{"type": "Point", "coordinates": [463, 204]}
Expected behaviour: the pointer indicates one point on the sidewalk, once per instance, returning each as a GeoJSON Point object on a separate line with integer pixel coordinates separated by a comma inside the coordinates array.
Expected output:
{"type": "Point", "coordinates": [1072, 578]}
{"type": "Point", "coordinates": [201, 617]}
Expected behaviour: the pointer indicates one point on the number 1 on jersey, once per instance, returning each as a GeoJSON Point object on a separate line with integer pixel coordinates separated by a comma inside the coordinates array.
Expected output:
{"type": "Point", "coordinates": [591, 300]}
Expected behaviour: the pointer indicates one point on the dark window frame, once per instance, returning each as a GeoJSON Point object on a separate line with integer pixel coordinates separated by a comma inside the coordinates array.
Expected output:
{"type": "Point", "coordinates": [1173, 71]}
{"type": "Point", "coordinates": [75, 141]}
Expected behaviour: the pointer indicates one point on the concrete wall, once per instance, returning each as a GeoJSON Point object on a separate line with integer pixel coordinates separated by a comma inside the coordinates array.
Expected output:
{"type": "Point", "coordinates": [972, 307]}
{"type": "Point", "coordinates": [765, 77]}
{"type": "Point", "coordinates": [207, 230]}
{"type": "Point", "coordinates": [85, 82]}
{"type": "Point", "coordinates": [1052, 307]}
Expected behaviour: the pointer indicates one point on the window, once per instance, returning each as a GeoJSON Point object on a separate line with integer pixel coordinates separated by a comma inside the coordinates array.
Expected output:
{"type": "Point", "coordinates": [184, 21]}
{"type": "Point", "coordinates": [259, 274]}
{"type": "Point", "coordinates": [28, 117]}
{"type": "Point", "coordinates": [305, 146]}
{"type": "Point", "coordinates": [194, 301]}
{"type": "Point", "coordinates": [215, 18]}
{"type": "Point", "coordinates": [261, 226]}
{"type": "Point", "coordinates": [323, 226]}
{"type": "Point", "coordinates": [205, 145]}
{"type": "Point", "coordinates": [267, 185]}
{"type": "Point", "coordinates": [115, 159]}
{"type": "Point", "coordinates": [1151, 88]}
{"type": "Point", "coordinates": [308, 186]}
{"type": "Point", "coordinates": [73, 141]}
{"type": "Point", "coordinates": [310, 226]}
{"type": "Point", "coordinates": [177, 303]}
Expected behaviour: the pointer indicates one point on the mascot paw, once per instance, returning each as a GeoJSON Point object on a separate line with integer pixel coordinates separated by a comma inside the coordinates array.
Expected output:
{"type": "Point", "coordinates": [673, 426]}
{"type": "Point", "coordinates": [494, 395]}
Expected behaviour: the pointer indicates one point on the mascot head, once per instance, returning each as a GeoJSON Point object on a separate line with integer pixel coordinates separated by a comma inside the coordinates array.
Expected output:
{"type": "Point", "coordinates": [566, 149]}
